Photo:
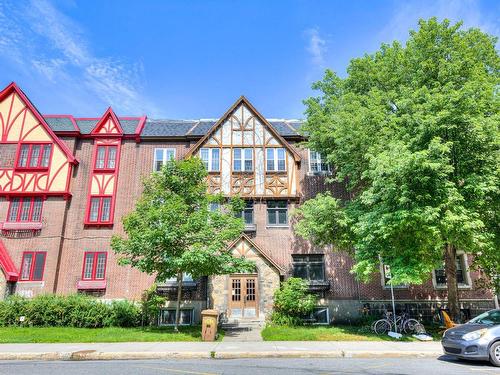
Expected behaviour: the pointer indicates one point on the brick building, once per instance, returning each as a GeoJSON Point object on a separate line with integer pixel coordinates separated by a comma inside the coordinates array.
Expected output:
{"type": "Point", "coordinates": [65, 183]}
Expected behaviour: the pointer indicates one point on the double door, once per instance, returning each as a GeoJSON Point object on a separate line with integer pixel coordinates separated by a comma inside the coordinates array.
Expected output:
{"type": "Point", "coordinates": [243, 296]}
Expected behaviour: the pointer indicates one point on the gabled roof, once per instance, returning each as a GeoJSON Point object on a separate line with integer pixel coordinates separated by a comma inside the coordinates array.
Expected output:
{"type": "Point", "coordinates": [245, 101]}
{"type": "Point", "coordinates": [7, 265]}
{"type": "Point", "coordinates": [108, 115]}
{"type": "Point", "coordinates": [14, 88]}
{"type": "Point", "coordinates": [243, 236]}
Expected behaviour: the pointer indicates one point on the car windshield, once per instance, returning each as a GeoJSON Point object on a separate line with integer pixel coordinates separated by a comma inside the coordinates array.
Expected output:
{"type": "Point", "coordinates": [490, 318]}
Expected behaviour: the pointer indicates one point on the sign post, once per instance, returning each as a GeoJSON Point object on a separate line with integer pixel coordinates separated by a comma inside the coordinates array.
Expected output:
{"type": "Point", "coordinates": [387, 271]}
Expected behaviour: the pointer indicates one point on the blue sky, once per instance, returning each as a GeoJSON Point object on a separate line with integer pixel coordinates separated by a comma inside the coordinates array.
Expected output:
{"type": "Point", "coordinates": [192, 59]}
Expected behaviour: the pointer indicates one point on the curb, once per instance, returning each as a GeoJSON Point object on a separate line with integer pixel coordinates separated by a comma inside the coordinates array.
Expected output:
{"type": "Point", "coordinates": [92, 355]}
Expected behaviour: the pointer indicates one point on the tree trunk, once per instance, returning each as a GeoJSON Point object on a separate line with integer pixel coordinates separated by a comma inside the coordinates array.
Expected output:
{"type": "Point", "coordinates": [450, 267]}
{"type": "Point", "coordinates": [178, 304]}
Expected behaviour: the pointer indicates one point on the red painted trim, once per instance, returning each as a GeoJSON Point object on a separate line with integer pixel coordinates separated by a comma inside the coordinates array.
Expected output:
{"type": "Point", "coordinates": [12, 87]}
{"type": "Point", "coordinates": [6, 263]}
{"type": "Point", "coordinates": [108, 114]}
{"type": "Point", "coordinates": [32, 206]}
{"type": "Point", "coordinates": [32, 266]}
{"type": "Point", "coordinates": [95, 255]}
{"type": "Point", "coordinates": [138, 129]}
{"type": "Point", "coordinates": [40, 157]}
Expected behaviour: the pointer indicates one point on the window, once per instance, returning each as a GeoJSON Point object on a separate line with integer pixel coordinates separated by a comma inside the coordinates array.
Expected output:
{"type": "Point", "coordinates": [186, 279]}
{"type": "Point", "coordinates": [317, 162]}
{"type": "Point", "coordinates": [25, 209]}
{"type": "Point", "coordinates": [277, 213]}
{"type": "Point", "coordinates": [319, 315]}
{"type": "Point", "coordinates": [162, 155]}
{"type": "Point", "coordinates": [275, 159]}
{"type": "Point", "coordinates": [211, 159]}
{"type": "Point", "coordinates": [309, 267]}
{"type": "Point", "coordinates": [33, 265]}
{"type": "Point", "coordinates": [94, 265]}
{"type": "Point", "coordinates": [105, 157]}
{"type": "Point", "coordinates": [99, 210]}
{"type": "Point", "coordinates": [386, 277]}
{"type": "Point", "coordinates": [247, 213]}
{"type": "Point", "coordinates": [242, 159]}
{"type": "Point", "coordinates": [167, 317]}
{"type": "Point", "coordinates": [34, 155]}
{"type": "Point", "coordinates": [440, 273]}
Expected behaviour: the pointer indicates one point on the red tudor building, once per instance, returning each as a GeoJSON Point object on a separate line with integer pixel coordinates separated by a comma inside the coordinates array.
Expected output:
{"type": "Point", "coordinates": [65, 183]}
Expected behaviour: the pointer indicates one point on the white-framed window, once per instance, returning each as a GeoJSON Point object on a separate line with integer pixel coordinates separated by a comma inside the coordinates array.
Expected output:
{"type": "Point", "coordinates": [275, 159]}
{"type": "Point", "coordinates": [317, 163]}
{"type": "Point", "coordinates": [167, 317]}
{"type": "Point", "coordinates": [242, 159]}
{"type": "Point", "coordinates": [210, 158]}
{"type": "Point", "coordinates": [277, 213]}
{"type": "Point", "coordinates": [162, 155]}
{"type": "Point", "coordinates": [463, 281]}
{"type": "Point", "coordinates": [319, 315]}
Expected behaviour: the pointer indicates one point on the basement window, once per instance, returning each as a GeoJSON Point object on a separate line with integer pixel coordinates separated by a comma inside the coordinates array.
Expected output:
{"type": "Point", "coordinates": [167, 317]}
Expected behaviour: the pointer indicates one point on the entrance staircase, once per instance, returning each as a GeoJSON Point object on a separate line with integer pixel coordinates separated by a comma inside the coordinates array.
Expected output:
{"type": "Point", "coordinates": [242, 329]}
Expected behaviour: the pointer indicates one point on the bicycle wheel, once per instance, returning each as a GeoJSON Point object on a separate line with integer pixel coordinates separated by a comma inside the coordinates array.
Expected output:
{"type": "Point", "coordinates": [413, 326]}
{"type": "Point", "coordinates": [382, 326]}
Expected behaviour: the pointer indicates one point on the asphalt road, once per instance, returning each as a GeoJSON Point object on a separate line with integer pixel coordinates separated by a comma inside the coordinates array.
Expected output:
{"type": "Point", "coordinates": [442, 365]}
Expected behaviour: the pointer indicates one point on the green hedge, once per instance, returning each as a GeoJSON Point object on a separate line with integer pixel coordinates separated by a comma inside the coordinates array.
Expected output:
{"type": "Point", "coordinates": [68, 311]}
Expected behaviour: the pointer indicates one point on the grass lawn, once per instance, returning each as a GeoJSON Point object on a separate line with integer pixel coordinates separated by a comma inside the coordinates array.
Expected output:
{"type": "Point", "coordinates": [326, 333]}
{"type": "Point", "coordinates": [111, 334]}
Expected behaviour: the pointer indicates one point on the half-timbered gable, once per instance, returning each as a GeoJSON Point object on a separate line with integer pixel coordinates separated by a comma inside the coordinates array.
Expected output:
{"type": "Point", "coordinates": [245, 155]}
{"type": "Point", "coordinates": [32, 159]}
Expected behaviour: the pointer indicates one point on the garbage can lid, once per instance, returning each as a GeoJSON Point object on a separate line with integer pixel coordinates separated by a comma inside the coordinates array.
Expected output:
{"type": "Point", "coordinates": [210, 312]}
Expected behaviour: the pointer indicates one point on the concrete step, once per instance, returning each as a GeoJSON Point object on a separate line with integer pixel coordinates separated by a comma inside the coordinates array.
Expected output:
{"type": "Point", "coordinates": [242, 324]}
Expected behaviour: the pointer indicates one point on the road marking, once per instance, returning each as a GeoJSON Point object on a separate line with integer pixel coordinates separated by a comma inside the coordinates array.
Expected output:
{"type": "Point", "coordinates": [178, 371]}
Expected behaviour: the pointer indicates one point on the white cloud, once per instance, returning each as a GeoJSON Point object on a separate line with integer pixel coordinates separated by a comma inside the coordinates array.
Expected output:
{"type": "Point", "coordinates": [41, 41]}
{"type": "Point", "coordinates": [316, 47]}
{"type": "Point", "coordinates": [407, 13]}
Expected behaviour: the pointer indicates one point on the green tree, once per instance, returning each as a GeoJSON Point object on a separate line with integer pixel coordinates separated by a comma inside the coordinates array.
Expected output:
{"type": "Point", "coordinates": [173, 231]}
{"type": "Point", "coordinates": [413, 131]}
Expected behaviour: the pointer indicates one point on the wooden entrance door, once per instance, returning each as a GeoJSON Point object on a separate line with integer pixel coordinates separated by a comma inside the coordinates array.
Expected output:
{"type": "Point", "coordinates": [243, 297]}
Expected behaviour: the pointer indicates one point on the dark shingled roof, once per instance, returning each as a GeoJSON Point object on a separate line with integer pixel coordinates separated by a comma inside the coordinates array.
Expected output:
{"type": "Point", "coordinates": [167, 128]}
{"type": "Point", "coordinates": [60, 124]}
{"type": "Point", "coordinates": [285, 127]}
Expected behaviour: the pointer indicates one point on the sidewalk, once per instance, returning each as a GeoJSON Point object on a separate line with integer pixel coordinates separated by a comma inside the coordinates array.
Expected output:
{"type": "Point", "coordinates": [222, 350]}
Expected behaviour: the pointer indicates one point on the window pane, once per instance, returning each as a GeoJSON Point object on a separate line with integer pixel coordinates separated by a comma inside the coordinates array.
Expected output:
{"type": "Point", "coordinates": [282, 216]}
{"type": "Point", "coordinates": [170, 154]}
{"type": "Point", "coordinates": [440, 277]}
{"type": "Point", "coordinates": [111, 157]}
{"type": "Point", "coordinates": [26, 266]}
{"type": "Point", "coordinates": [37, 209]}
{"type": "Point", "coordinates": [281, 159]}
{"type": "Point", "coordinates": [248, 159]}
{"type": "Point", "coordinates": [320, 314]}
{"type": "Point", "coordinates": [25, 209]}
{"type": "Point", "coordinates": [300, 270]}
{"type": "Point", "coordinates": [270, 159]}
{"type": "Point", "coordinates": [237, 159]}
{"type": "Point", "coordinates": [204, 157]}
{"type": "Point", "coordinates": [14, 209]}
{"type": "Point", "coordinates": [316, 271]}
{"type": "Point", "coordinates": [99, 161]}
{"type": "Point", "coordinates": [35, 155]}
{"type": "Point", "coordinates": [39, 265]}
{"type": "Point", "coordinates": [23, 156]}
{"type": "Point", "coordinates": [106, 209]}
{"type": "Point", "coordinates": [101, 265]}
{"type": "Point", "coordinates": [215, 159]}
{"type": "Point", "coordinates": [248, 213]}
{"type": "Point", "coordinates": [271, 216]}
{"type": "Point", "coordinates": [46, 155]}
{"type": "Point", "coordinates": [158, 162]}
{"type": "Point", "coordinates": [89, 264]}
{"type": "Point", "coordinates": [94, 209]}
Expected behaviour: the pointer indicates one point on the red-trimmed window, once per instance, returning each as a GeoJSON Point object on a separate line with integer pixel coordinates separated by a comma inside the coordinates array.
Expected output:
{"type": "Point", "coordinates": [94, 266]}
{"type": "Point", "coordinates": [33, 265]}
{"type": "Point", "coordinates": [105, 157]}
{"type": "Point", "coordinates": [25, 209]}
{"type": "Point", "coordinates": [100, 210]}
{"type": "Point", "coordinates": [34, 155]}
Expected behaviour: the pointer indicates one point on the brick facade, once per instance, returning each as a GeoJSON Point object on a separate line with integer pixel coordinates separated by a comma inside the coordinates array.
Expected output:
{"type": "Point", "coordinates": [65, 238]}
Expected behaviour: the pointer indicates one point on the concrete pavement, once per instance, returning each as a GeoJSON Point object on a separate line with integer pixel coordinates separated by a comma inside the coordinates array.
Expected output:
{"type": "Point", "coordinates": [224, 350]}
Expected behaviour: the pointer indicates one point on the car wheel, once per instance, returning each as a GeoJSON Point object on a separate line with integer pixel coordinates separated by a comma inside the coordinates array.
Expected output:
{"type": "Point", "coordinates": [495, 354]}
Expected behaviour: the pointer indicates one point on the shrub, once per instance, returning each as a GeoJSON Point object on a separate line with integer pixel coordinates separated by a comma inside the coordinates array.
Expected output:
{"type": "Point", "coordinates": [62, 311]}
{"type": "Point", "coordinates": [292, 302]}
{"type": "Point", "coordinates": [151, 303]}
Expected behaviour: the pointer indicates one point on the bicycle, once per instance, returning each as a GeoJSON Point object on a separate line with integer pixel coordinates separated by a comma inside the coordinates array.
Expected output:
{"type": "Point", "coordinates": [403, 323]}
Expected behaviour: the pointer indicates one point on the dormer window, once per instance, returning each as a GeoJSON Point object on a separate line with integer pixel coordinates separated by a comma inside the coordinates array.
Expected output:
{"type": "Point", "coordinates": [34, 155]}
{"type": "Point", "coordinates": [105, 157]}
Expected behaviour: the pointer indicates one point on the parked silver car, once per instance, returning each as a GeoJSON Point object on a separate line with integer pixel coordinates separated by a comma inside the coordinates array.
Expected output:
{"type": "Point", "coordinates": [477, 339]}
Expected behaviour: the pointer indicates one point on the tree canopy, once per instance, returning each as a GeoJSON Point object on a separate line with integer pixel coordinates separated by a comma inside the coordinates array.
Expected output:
{"type": "Point", "coordinates": [174, 229]}
{"type": "Point", "coordinates": [413, 130]}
